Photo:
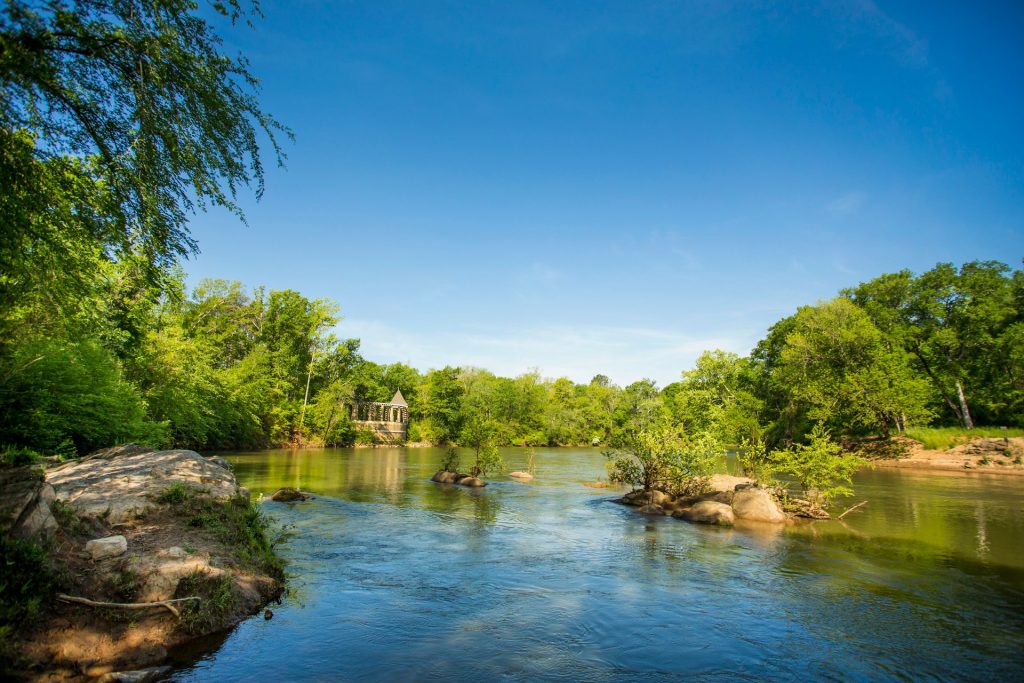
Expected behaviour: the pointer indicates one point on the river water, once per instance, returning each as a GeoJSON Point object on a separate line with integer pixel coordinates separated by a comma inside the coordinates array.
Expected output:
{"type": "Point", "coordinates": [395, 578]}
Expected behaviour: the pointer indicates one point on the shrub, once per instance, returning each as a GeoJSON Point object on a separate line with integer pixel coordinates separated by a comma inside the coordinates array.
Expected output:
{"type": "Point", "coordinates": [26, 581]}
{"type": "Point", "coordinates": [664, 457]}
{"type": "Point", "coordinates": [819, 467]}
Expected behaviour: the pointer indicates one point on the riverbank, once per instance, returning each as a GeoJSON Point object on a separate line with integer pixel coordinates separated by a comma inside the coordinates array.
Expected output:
{"type": "Point", "coordinates": [1003, 456]}
{"type": "Point", "coordinates": [156, 548]}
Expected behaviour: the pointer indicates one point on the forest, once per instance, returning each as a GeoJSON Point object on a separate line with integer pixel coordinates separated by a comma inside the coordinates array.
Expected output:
{"type": "Point", "coordinates": [124, 357]}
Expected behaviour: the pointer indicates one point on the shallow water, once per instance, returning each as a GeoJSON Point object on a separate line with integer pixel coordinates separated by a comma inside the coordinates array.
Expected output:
{"type": "Point", "coordinates": [393, 577]}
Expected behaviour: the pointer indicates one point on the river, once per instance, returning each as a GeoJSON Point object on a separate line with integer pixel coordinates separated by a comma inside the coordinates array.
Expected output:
{"type": "Point", "coordinates": [395, 578]}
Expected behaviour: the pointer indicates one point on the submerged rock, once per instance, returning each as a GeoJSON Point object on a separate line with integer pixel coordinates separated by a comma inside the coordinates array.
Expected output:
{"type": "Point", "coordinates": [137, 676]}
{"type": "Point", "coordinates": [472, 482]}
{"type": "Point", "coordinates": [289, 495]}
{"type": "Point", "coordinates": [757, 506]}
{"type": "Point", "coordinates": [444, 477]}
{"type": "Point", "coordinates": [651, 509]}
{"type": "Point", "coordinates": [708, 512]}
{"type": "Point", "coordinates": [640, 498]}
{"type": "Point", "coordinates": [520, 475]}
{"type": "Point", "coordinates": [103, 548]}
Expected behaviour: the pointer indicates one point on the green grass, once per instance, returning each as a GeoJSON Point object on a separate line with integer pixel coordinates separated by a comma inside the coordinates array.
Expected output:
{"type": "Point", "coordinates": [940, 438]}
{"type": "Point", "coordinates": [238, 523]}
{"type": "Point", "coordinates": [219, 599]}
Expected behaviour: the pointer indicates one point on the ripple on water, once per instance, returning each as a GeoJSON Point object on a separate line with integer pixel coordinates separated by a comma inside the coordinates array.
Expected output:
{"type": "Point", "coordinates": [396, 578]}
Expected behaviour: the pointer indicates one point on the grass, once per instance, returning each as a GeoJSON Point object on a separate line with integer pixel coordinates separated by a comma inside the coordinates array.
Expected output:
{"type": "Point", "coordinates": [219, 599]}
{"type": "Point", "coordinates": [238, 523]}
{"type": "Point", "coordinates": [68, 518]}
{"type": "Point", "coordinates": [940, 438]}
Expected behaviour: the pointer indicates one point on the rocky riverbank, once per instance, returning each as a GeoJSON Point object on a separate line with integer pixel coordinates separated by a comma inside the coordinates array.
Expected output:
{"type": "Point", "coordinates": [142, 551]}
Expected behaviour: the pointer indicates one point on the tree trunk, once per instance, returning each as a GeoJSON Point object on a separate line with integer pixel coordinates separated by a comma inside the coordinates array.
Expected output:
{"type": "Point", "coordinates": [305, 400]}
{"type": "Point", "coordinates": [967, 421]}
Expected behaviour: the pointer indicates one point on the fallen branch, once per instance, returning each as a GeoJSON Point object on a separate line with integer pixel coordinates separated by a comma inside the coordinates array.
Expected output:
{"type": "Point", "coordinates": [128, 605]}
{"type": "Point", "coordinates": [852, 509]}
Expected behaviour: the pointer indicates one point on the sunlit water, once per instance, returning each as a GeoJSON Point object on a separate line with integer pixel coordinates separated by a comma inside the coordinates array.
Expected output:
{"type": "Point", "coordinates": [395, 578]}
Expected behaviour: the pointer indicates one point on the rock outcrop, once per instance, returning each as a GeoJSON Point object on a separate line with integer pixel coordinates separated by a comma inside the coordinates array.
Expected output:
{"type": "Point", "coordinates": [118, 486]}
{"type": "Point", "coordinates": [741, 501]}
{"type": "Point", "coordinates": [25, 504]}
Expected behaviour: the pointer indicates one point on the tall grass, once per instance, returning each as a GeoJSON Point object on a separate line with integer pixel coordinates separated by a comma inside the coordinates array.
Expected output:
{"type": "Point", "coordinates": [940, 438]}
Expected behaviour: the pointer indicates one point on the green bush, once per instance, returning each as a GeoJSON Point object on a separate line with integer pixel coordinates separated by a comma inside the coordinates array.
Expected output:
{"type": "Point", "coordinates": [26, 581]}
{"type": "Point", "coordinates": [820, 467]}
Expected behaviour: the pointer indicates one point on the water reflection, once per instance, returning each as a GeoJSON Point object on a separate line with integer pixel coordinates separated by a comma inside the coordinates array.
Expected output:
{"type": "Point", "coordinates": [398, 578]}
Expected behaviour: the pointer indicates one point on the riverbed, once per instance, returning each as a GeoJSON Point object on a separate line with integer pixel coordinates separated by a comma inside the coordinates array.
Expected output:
{"type": "Point", "coordinates": [395, 578]}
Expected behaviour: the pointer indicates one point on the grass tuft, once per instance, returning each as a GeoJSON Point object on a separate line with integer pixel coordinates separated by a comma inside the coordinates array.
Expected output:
{"type": "Point", "coordinates": [941, 438]}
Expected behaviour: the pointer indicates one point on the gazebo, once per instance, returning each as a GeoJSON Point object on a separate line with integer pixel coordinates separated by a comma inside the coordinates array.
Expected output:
{"type": "Point", "coordinates": [389, 421]}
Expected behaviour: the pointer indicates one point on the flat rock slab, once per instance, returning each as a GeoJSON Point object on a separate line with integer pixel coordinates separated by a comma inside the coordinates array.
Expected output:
{"type": "Point", "coordinates": [120, 487]}
{"type": "Point", "coordinates": [103, 548]}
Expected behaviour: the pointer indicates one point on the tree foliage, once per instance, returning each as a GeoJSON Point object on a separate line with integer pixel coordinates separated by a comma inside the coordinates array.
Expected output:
{"type": "Point", "coordinates": [665, 457]}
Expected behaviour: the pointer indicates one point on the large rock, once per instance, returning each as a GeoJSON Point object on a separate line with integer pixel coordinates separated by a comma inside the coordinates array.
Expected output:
{"type": "Point", "coordinates": [221, 462]}
{"type": "Point", "coordinates": [120, 486]}
{"type": "Point", "coordinates": [25, 500]}
{"type": "Point", "coordinates": [651, 509]}
{"type": "Point", "coordinates": [104, 548]}
{"type": "Point", "coordinates": [727, 482]}
{"type": "Point", "coordinates": [757, 506]}
{"type": "Point", "coordinates": [472, 482]}
{"type": "Point", "coordinates": [708, 512]}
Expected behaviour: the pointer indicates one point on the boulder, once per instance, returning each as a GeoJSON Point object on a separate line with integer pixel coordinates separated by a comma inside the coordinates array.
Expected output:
{"type": "Point", "coordinates": [708, 512]}
{"type": "Point", "coordinates": [103, 548]}
{"type": "Point", "coordinates": [289, 495]}
{"type": "Point", "coordinates": [651, 509]}
{"type": "Point", "coordinates": [757, 506]}
{"type": "Point", "coordinates": [25, 500]}
{"type": "Point", "coordinates": [118, 486]}
{"type": "Point", "coordinates": [472, 482]}
{"type": "Point", "coordinates": [444, 477]}
{"type": "Point", "coordinates": [641, 497]}
{"type": "Point", "coordinates": [520, 475]}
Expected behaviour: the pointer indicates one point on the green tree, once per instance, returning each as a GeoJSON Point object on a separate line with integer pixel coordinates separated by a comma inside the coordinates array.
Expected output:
{"type": "Point", "coordinates": [443, 403]}
{"type": "Point", "coordinates": [141, 90]}
{"type": "Point", "coordinates": [820, 467]}
{"type": "Point", "coordinates": [663, 456]}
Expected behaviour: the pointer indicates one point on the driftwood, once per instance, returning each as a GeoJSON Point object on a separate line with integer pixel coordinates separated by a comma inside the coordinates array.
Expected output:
{"type": "Point", "coordinates": [852, 509]}
{"type": "Point", "coordinates": [128, 605]}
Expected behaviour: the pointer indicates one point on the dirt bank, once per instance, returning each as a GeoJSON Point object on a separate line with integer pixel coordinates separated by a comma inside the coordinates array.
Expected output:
{"type": "Point", "coordinates": [165, 527]}
{"type": "Point", "coordinates": [985, 455]}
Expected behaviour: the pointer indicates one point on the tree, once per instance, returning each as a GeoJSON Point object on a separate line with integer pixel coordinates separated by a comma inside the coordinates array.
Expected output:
{"type": "Point", "coordinates": [820, 467]}
{"type": "Point", "coordinates": [836, 362]}
{"type": "Point", "coordinates": [479, 434]}
{"type": "Point", "coordinates": [442, 404]}
{"type": "Point", "coordinates": [663, 456]}
{"type": "Point", "coordinates": [715, 396]}
{"type": "Point", "coordinates": [141, 93]}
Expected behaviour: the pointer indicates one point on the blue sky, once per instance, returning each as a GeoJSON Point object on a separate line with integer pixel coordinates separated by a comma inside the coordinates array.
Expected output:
{"type": "Point", "coordinates": [613, 187]}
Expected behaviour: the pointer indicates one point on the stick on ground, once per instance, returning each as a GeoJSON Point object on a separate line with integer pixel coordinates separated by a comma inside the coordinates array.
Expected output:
{"type": "Point", "coordinates": [127, 605]}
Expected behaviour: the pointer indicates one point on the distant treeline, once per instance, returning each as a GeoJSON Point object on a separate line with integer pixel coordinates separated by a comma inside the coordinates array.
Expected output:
{"type": "Point", "coordinates": [129, 356]}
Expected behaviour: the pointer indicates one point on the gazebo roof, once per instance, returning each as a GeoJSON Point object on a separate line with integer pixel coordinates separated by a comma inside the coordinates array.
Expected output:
{"type": "Point", "coordinates": [398, 399]}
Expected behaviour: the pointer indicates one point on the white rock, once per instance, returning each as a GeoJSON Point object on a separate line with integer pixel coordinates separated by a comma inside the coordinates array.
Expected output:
{"type": "Point", "coordinates": [102, 548]}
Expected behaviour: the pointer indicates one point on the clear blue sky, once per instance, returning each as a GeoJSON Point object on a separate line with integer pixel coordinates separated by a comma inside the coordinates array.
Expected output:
{"type": "Point", "coordinates": [613, 187]}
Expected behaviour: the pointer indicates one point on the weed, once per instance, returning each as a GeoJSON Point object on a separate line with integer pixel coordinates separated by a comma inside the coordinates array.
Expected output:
{"type": "Point", "coordinates": [984, 460]}
{"type": "Point", "coordinates": [15, 456]}
{"type": "Point", "coordinates": [68, 518]}
{"type": "Point", "coordinates": [188, 547]}
{"type": "Point", "coordinates": [1017, 460]}
{"type": "Point", "coordinates": [178, 493]}
{"type": "Point", "coordinates": [218, 600]}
